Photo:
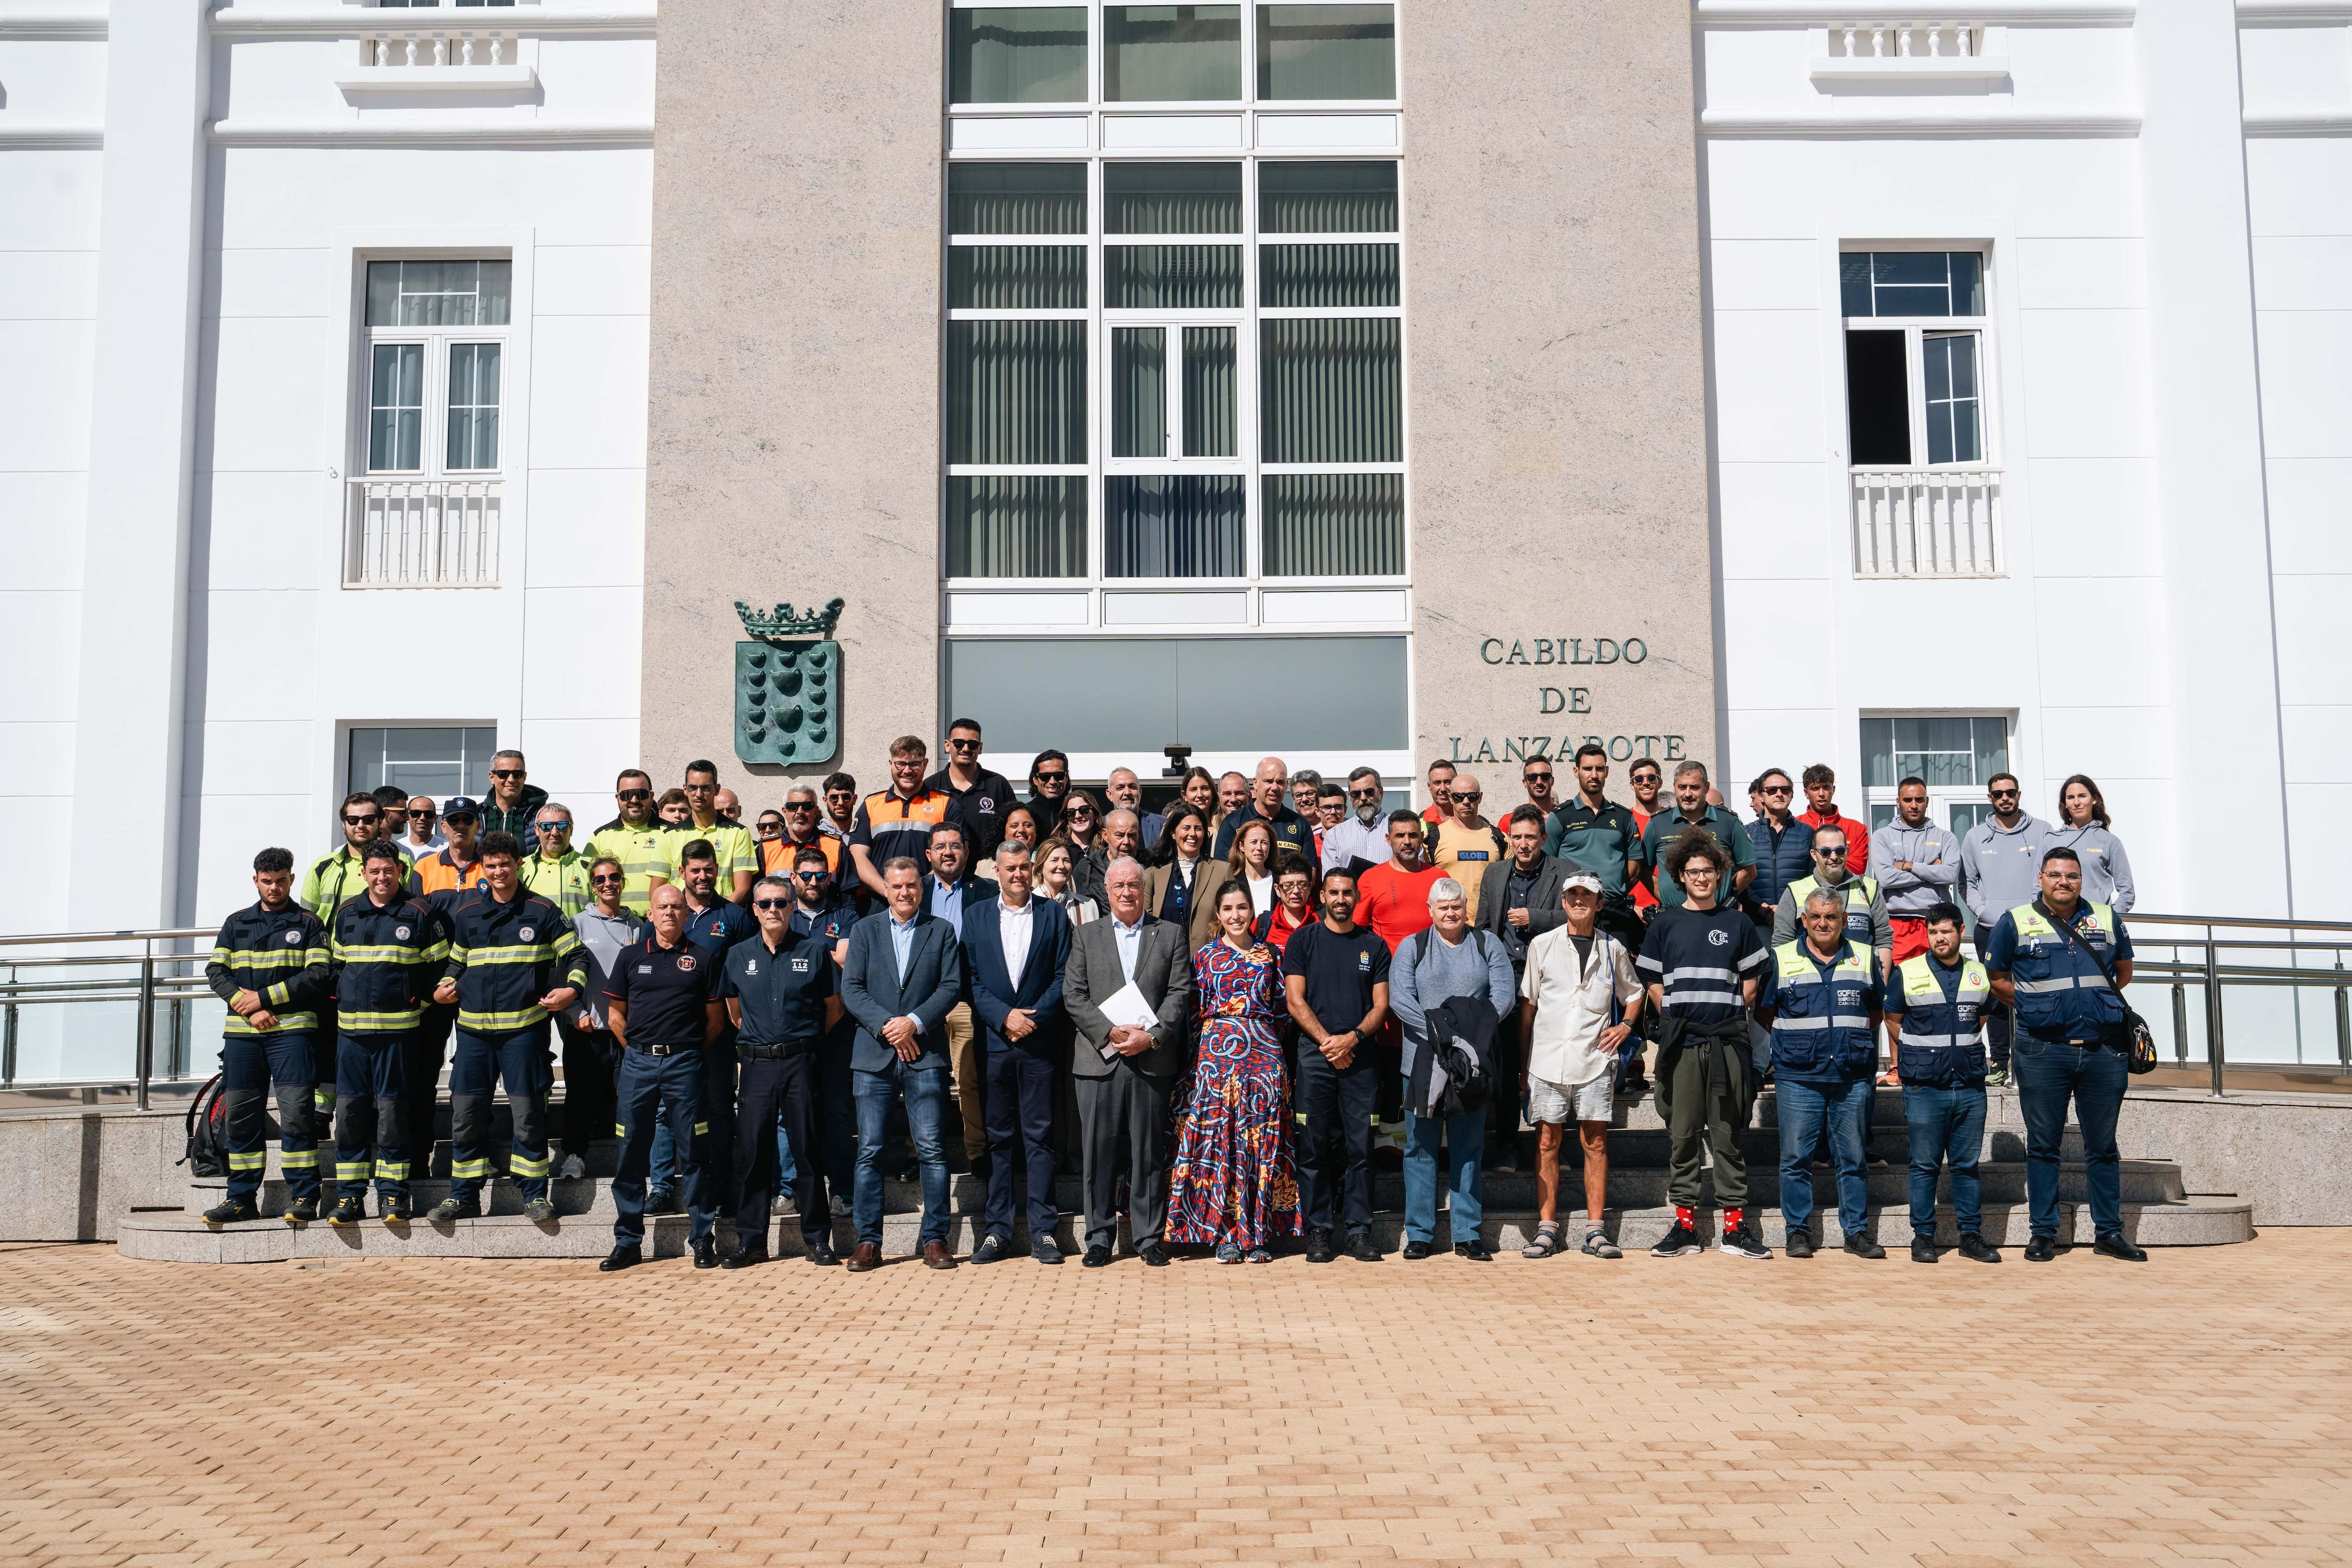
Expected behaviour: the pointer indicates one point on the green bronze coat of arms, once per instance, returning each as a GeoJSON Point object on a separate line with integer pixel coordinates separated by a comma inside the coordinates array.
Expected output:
{"type": "Point", "coordinates": [788, 686]}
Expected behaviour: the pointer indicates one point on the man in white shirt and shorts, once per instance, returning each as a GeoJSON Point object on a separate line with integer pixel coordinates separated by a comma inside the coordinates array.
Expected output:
{"type": "Point", "coordinates": [1578, 984]}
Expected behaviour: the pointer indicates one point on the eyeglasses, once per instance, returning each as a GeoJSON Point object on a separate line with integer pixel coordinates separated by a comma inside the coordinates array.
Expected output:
{"type": "Point", "coordinates": [1052, 778]}
{"type": "Point", "coordinates": [1077, 812]}
{"type": "Point", "coordinates": [1535, 777]}
{"type": "Point", "coordinates": [506, 772]}
{"type": "Point", "coordinates": [462, 819]}
{"type": "Point", "coordinates": [421, 816]}
{"type": "Point", "coordinates": [800, 805]}
{"type": "Point", "coordinates": [841, 794]}
{"type": "Point", "coordinates": [771, 904]}
{"type": "Point", "coordinates": [955, 744]}
{"type": "Point", "coordinates": [364, 821]}
{"type": "Point", "coordinates": [1777, 789]}
{"type": "Point", "coordinates": [604, 878]}
{"type": "Point", "coordinates": [633, 794]}
{"type": "Point", "coordinates": [1364, 794]}
{"type": "Point", "coordinates": [2004, 794]}
{"type": "Point", "coordinates": [812, 875]}
{"type": "Point", "coordinates": [558, 827]}
{"type": "Point", "coordinates": [1829, 852]}
{"type": "Point", "coordinates": [1473, 796]}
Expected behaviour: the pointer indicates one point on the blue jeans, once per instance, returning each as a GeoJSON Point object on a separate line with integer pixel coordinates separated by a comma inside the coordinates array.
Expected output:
{"type": "Point", "coordinates": [926, 1096]}
{"type": "Point", "coordinates": [1810, 1113]}
{"type": "Point", "coordinates": [2048, 1072]}
{"type": "Point", "coordinates": [1946, 1124]}
{"type": "Point", "coordinates": [1464, 1137]}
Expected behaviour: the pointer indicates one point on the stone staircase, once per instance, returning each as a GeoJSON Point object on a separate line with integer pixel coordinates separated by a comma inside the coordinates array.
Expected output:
{"type": "Point", "coordinates": [2158, 1211]}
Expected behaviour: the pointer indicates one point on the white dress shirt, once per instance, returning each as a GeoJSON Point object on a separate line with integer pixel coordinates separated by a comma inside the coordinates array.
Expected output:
{"type": "Point", "coordinates": [1130, 940]}
{"type": "Point", "coordinates": [1013, 926]}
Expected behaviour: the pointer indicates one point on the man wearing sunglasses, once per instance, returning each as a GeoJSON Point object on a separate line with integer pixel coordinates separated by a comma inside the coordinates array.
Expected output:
{"type": "Point", "coordinates": [514, 802]}
{"type": "Point", "coordinates": [981, 797]}
{"type": "Point", "coordinates": [801, 829]}
{"type": "Point", "coordinates": [557, 871]}
{"type": "Point", "coordinates": [606, 928]}
{"type": "Point", "coordinates": [731, 843]}
{"type": "Point", "coordinates": [333, 881]}
{"type": "Point", "coordinates": [822, 910]}
{"type": "Point", "coordinates": [1359, 840]}
{"type": "Point", "coordinates": [1049, 791]}
{"type": "Point", "coordinates": [1784, 846]}
{"type": "Point", "coordinates": [2000, 870]}
{"type": "Point", "coordinates": [422, 836]}
{"type": "Point", "coordinates": [783, 999]}
{"type": "Point", "coordinates": [635, 838]}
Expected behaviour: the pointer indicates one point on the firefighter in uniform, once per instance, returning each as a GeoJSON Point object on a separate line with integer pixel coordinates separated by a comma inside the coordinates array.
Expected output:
{"type": "Point", "coordinates": [1825, 1011]}
{"type": "Point", "coordinates": [662, 1001]}
{"type": "Point", "coordinates": [388, 950]}
{"type": "Point", "coordinates": [2045, 958]}
{"type": "Point", "coordinates": [1940, 997]}
{"type": "Point", "coordinates": [333, 881]}
{"type": "Point", "coordinates": [446, 878]}
{"type": "Point", "coordinates": [270, 965]}
{"type": "Point", "coordinates": [514, 959]}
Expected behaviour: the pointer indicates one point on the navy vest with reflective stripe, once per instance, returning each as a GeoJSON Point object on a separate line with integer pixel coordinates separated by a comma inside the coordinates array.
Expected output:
{"type": "Point", "coordinates": [1821, 1025]}
{"type": "Point", "coordinates": [1941, 1045]}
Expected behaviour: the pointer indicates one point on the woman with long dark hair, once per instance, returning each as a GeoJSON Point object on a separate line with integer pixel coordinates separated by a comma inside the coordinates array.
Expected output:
{"type": "Point", "coordinates": [2083, 827]}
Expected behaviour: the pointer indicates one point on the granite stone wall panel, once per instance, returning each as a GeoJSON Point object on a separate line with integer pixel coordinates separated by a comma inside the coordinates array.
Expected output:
{"type": "Point", "coordinates": [795, 399]}
{"type": "Point", "coordinates": [1555, 382]}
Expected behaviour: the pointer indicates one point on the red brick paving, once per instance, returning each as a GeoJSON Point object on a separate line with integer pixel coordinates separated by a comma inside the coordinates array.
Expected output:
{"type": "Point", "coordinates": [1704, 1410]}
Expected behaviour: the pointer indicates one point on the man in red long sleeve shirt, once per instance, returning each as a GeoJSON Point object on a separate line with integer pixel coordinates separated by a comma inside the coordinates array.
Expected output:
{"type": "Point", "coordinates": [1820, 795]}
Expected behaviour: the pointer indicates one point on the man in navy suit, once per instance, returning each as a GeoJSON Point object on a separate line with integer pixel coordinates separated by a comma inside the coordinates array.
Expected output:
{"type": "Point", "coordinates": [903, 973]}
{"type": "Point", "coordinates": [949, 888]}
{"type": "Point", "coordinates": [1014, 949]}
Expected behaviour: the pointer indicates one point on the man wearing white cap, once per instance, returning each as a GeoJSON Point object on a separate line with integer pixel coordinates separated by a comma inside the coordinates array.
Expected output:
{"type": "Point", "coordinates": [1579, 984]}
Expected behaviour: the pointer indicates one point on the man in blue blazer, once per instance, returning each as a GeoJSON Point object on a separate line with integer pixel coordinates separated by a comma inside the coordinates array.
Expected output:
{"type": "Point", "coordinates": [1014, 949]}
{"type": "Point", "coordinates": [903, 973]}
{"type": "Point", "coordinates": [949, 888]}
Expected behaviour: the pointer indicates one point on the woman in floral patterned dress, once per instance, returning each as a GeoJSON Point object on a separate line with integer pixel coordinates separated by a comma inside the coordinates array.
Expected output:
{"type": "Point", "coordinates": [1234, 1183]}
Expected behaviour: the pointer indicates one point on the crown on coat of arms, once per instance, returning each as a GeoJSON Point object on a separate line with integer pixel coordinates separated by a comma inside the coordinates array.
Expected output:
{"type": "Point", "coordinates": [785, 622]}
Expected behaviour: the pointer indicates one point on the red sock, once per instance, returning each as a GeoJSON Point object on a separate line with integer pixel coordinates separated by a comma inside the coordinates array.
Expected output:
{"type": "Point", "coordinates": [1686, 1218]}
{"type": "Point", "coordinates": [1731, 1218]}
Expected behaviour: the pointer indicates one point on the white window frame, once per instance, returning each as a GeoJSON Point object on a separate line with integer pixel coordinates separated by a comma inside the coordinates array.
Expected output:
{"type": "Point", "coordinates": [1916, 331]}
{"type": "Point", "coordinates": [435, 344]}
{"type": "Point", "coordinates": [1942, 797]}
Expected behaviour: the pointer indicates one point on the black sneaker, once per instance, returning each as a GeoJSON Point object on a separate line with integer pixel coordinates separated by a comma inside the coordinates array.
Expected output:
{"type": "Point", "coordinates": [1976, 1250]}
{"type": "Point", "coordinates": [1045, 1250]}
{"type": "Point", "coordinates": [1922, 1249]}
{"type": "Point", "coordinates": [2041, 1250]}
{"type": "Point", "coordinates": [1745, 1243]}
{"type": "Point", "coordinates": [301, 1211]}
{"type": "Point", "coordinates": [235, 1212]}
{"type": "Point", "coordinates": [661, 1201]}
{"type": "Point", "coordinates": [1414, 1251]}
{"type": "Point", "coordinates": [1682, 1241]}
{"type": "Point", "coordinates": [1361, 1246]}
{"type": "Point", "coordinates": [1318, 1247]}
{"type": "Point", "coordinates": [1865, 1247]}
{"type": "Point", "coordinates": [1154, 1254]}
{"type": "Point", "coordinates": [992, 1249]}
{"type": "Point", "coordinates": [455, 1209]}
{"type": "Point", "coordinates": [394, 1209]}
{"type": "Point", "coordinates": [539, 1211]}
{"type": "Point", "coordinates": [2118, 1246]}
{"type": "Point", "coordinates": [1800, 1244]}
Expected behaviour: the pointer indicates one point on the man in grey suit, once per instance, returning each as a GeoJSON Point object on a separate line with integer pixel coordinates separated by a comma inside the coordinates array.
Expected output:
{"type": "Point", "coordinates": [902, 975]}
{"type": "Point", "coordinates": [1123, 1074]}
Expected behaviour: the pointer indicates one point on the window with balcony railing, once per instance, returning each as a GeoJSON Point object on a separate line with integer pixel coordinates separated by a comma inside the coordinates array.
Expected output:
{"type": "Point", "coordinates": [424, 510]}
{"type": "Point", "coordinates": [1926, 491]}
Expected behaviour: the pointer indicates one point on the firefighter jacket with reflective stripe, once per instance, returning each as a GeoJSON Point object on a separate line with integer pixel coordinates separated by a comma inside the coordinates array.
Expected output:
{"type": "Point", "coordinates": [386, 962]}
{"type": "Point", "coordinates": [279, 955]}
{"type": "Point", "coordinates": [1941, 1045]}
{"type": "Point", "coordinates": [505, 957]}
{"type": "Point", "coordinates": [2061, 992]}
{"type": "Point", "coordinates": [1821, 1007]}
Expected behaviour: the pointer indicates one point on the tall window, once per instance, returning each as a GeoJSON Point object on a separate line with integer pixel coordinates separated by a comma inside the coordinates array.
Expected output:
{"type": "Point", "coordinates": [1915, 327]}
{"type": "Point", "coordinates": [1206, 356]}
{"type": "Point", "coordinates": [439, 760]}
{"type": "Point", "coordinates": [1956, 754]}
{"type": "Point", "coordinates": [435, 353]}
{"type": "Point", "coordinates": [1318, 52]}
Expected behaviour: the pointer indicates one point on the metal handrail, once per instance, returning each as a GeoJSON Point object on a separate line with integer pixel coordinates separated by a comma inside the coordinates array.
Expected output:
{"type": "Point", "coordinates": [147, 987]}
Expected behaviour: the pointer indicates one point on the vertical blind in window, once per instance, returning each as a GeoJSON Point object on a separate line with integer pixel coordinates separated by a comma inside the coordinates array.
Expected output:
{"type": "Point", "coordinates": [1172, 276]}
{"type": "Point", "coordinates": [473, 405]}
{"type": "Point", "coordinates": [1016, 198]}
{"type": "Point", "coordinates": [1334, 525]}
{"type": "Point", "coordinates": [396, 407]}
{"type": "Point", "coordinates": [1174, 525]}
{"type": "Point", "coordinates": [1017, 54]}
{"type": "Point", "coordinates": [1171, 53]}
{"type": "Point", "coordinates": [1018, 277]}
{"type": "Point", "coordinates": [1332, 390]}
{"type": "Point", "coordinates": [1173, 198]}
{"type": "Point", "coordinates": [1017, 525]}
{"type": "Point", "coordinates": [1017, 392]}
{"type": "Point", "coordinates": [1309, 275]}
{"type": "Point", "coordinates": [1326, 198]}
{"type": "Point", "coordinates": [1210, 412]}
{"type": "Point", "coordinates": [1327, 51]}
{"type": "Point", "coordinates": [1139, 391]}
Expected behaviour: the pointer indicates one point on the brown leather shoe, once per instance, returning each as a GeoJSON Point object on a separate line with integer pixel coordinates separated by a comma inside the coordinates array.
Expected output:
{"type": "Point", "coordinates": [936, 1256]}
{"type": "Point", "coordinates": [868, 1256]}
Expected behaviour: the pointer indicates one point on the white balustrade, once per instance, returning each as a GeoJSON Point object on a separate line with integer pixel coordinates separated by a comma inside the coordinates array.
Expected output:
{"type": "Point", "coordinates": [422, 533]}
{"type": "Point", "coordinates": [1905, 40]}
{"type": "Point", "coordinates": [409, 47]}
{"type": "Point", "coordinates": [1927, 522]}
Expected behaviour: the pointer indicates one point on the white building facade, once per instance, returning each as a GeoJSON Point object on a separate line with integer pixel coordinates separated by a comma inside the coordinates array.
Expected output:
{"type": "Point", "coordinates": [2028, 364]}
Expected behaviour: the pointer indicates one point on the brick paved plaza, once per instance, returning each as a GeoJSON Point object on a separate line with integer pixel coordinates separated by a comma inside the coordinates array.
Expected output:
{"type": "Point", "coordinates": [1698, 1411]}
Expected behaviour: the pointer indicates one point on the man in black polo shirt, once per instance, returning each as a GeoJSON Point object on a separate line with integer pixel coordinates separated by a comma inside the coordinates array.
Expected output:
{"type": "Point", "coordinates": [1337, 974]}
{"type": "Point", "coordinates": [782, 998]}
{"type": "Point", "coordinates": [981, 797]}
{"type": "Point", "coordinates": [661, 1002]}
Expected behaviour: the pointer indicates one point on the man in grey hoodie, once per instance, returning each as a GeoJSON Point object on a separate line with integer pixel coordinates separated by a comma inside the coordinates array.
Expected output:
{"type": "Point", "coordinates": [1916, 863]}
{"type": "Point", "coordinates": [2000, 868]}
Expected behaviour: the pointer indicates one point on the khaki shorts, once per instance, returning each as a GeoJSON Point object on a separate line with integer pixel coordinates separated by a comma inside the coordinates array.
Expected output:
{"type": "Point", "coordinates": [1558, 1102]}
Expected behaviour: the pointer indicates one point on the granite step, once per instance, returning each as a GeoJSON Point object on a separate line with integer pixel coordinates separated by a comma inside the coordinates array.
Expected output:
{"type": "Point", "coordinates": [168, 1237]}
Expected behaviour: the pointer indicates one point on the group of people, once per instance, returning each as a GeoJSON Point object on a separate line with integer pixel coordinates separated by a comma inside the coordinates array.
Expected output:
{"type": "Point", "coordinates": [1225, 1004]}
